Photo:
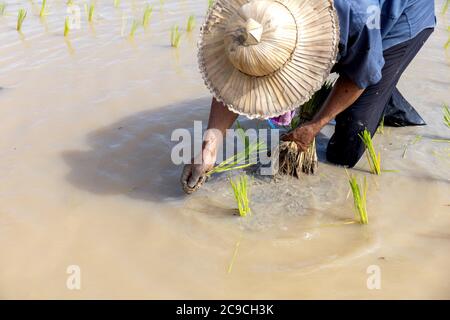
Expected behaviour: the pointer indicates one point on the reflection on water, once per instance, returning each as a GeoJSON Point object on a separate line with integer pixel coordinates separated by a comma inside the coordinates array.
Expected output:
{"type": "Point", "coordinates": [87, 178]}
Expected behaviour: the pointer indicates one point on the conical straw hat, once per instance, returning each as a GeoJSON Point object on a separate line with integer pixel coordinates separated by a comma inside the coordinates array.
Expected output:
{"type": "Point", "coordinates": [263, 58]}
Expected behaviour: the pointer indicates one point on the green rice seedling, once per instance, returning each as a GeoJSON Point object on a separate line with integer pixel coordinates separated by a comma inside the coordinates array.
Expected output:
{"type": "Point", "coordinates": [445, 7]}
{"type": "Point", "coordinates": [70, 2]}
{"type": "Point", "coordinates": [91, 12]}
{"type": "Point", "coordinates": [373, 159]}
{"type": "Point", "coordinates": [235, 253]}
{"type": "Point", "coordinates": [359, 198]}
{"type": "Point", "coordinates": [241, 160]}
{"type": "Point", "coordinates": [134, 27]}
{"type": "Point", "coordinates": [190, 23]}
{"type": "Point", "coordinates": [66, 27]}
{"type": "Point", "coordinates": [2, 9]}
{"type": "Point", "coordinates": [147, 14]}
{"type": "Point", "coordinates": [20, 18]}
{"type": "Point", "coordinates": [240, 190]}
{"type": "Point", "coordinates": [116, 3]}
{"type": "Point", "coordinates": [417, 139]}
{"type": "Point", "coordinates": [175, 37]}
{"type": "Point", "coordinates": [210, 3]}
{"type": "Point", "coordinates": [447, 116]}
{"type": "Point", "coordinates": [43, 8]}
{"type": "Point", "coordinates": [380, 129]}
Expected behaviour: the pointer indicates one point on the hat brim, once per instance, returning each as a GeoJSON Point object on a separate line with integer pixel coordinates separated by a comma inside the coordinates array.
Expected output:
{"type": "Point", "coordinates": [287, 88]}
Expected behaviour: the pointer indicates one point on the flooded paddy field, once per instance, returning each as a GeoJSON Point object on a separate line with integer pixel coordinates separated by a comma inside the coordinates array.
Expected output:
{"type": "Point", "coordinates": [87, 178]}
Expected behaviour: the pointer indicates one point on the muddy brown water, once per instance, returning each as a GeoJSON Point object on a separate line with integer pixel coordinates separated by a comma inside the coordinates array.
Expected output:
{"type": "Point", "coordinates": [87, 180]}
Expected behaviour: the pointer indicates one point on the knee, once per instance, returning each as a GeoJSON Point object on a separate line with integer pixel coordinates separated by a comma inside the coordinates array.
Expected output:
{"type": "Point", "coordinates": [345, 153]}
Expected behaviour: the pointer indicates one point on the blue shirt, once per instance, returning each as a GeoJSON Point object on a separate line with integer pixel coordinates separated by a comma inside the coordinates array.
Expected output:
{"type": "Point", "coordinates": [368, 27]}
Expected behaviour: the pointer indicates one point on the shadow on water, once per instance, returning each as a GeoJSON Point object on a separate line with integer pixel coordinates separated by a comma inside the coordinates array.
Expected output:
{"type": "Point", "coordinates": [133, 155]}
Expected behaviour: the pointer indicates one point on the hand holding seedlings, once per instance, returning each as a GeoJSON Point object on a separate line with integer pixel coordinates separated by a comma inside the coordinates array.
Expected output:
{"type": "Point", "coordinates": [303, 136]}
{"type": "Point", "coordinates": [194, 174]}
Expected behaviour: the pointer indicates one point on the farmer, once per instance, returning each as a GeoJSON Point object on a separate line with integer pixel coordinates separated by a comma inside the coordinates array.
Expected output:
{"type": "Point", "coordinates": [264, 58]}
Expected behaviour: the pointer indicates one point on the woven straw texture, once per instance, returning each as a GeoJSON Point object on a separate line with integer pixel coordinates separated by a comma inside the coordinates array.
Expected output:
{"type": "Point", "coordinates": [263, 58]}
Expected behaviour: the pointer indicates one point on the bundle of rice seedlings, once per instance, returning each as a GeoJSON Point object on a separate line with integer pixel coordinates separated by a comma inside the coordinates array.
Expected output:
{"type": "Point", "coordinates": [43, 10]}
{"type": "Point", "coordinates": [241, 160]}
{"type": "Point", "coordinates": [373, 158]}
{"type": "Point", "coordinates": [360, 199]}
{"type": "Point", "coordinates": [175, 36]}
{"type": "Point", "coordinates": [240, 190]}
{"type": "Point", "coordinates": [190, 23]}
{"type": "Point", "coordinates": [292, 161]}
{"type": "Point", "coordinates": [447, 116]}
{"type": "Point", "coordinates": [22, 14]}
{"type": "Point", "coordinates": [66, 27]}
{"type": "Point", "coordinates": [2, 9]}
{"type": "Point", "coordinates": [147, 14]}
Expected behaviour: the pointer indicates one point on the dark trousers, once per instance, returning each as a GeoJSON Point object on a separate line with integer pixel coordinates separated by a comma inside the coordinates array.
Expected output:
{"type": "Point", "coordinates": [345, 147]}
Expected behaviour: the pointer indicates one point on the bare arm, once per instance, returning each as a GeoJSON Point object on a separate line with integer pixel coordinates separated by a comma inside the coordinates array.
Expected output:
{"type": "Point", "coordinates": [220, 119]}
{"type": "Point", "coordinates": [345, 92]}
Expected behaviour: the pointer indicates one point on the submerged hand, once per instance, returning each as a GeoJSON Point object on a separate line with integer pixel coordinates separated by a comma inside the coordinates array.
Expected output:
{"type": "Point", "coordinates": [303, 136]}
{"type": "Point", "coordinates": [195, 174]}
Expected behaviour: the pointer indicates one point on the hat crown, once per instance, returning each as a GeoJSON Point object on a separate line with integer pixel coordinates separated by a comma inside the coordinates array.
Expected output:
{"type": "Point", "coordinates": [261, 37]}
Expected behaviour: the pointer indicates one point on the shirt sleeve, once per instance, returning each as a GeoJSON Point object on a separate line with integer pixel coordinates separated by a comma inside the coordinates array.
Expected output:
{"type": "Point", "coordinates": [363, 59]}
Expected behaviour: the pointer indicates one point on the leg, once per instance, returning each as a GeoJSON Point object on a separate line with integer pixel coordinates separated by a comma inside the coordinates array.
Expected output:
{"type": "Point", "coordinates": [345, 147]}
{"type": "Point", "coordinates": [400, 113]}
